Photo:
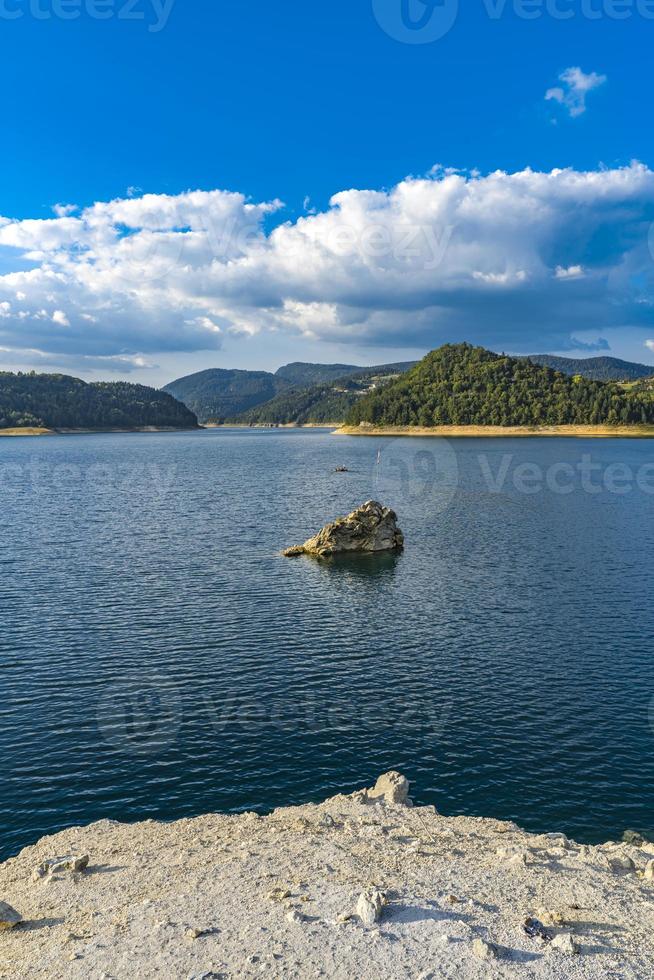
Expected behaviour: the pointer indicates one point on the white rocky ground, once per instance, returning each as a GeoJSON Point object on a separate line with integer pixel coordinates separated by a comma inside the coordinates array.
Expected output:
{"type": "Point", "coordinates": [280, 896]}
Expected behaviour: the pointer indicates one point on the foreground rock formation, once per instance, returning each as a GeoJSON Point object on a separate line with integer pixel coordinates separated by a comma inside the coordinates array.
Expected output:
{"type": "Point", "coordinates": [362, 886]}
{"type": "Point", "coordinates": [371, 527]}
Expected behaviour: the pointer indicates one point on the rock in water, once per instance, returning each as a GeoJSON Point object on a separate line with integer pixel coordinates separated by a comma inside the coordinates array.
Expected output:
{"type": "Point", "coordinates": [371, 527]}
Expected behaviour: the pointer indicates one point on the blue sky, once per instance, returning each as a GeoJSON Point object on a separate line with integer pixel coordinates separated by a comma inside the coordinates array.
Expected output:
{"type": "Point", "coordinates": [297, 102]}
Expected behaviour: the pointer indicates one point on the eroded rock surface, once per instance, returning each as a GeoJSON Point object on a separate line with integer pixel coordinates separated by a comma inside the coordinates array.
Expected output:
{"type": "Point", "coordinates": [370, 528]}
{"type": "Point", "coordinates": [361, 886]}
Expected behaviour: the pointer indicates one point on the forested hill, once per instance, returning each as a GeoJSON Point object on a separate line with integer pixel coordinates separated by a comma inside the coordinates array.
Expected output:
{"type": "Point", "coordinates": [223, 394]}
{"type": "Point", "coordinates": [219, 393]}
{"type": "Point", "coordinates": [303, 375]}
{"type": "Point", "coordinates": [464, 385]}
{"type": "Point", "coordinates": [56, 401]}
{"type": "Point", "coordinates": [324, 403]}
{"type": "Point", "coordinates": [595, 368]}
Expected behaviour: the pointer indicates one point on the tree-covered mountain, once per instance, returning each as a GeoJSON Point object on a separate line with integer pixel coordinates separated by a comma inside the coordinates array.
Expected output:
{"type": "Point", "coordinates": [595, 368]}
{"type": "Point", "coordinates": [56, 401]}
{"type": "Point", "coordinates": [218, 393]}
{"type": "Point", "coordinates": [303, 375]}
{"type": "Point", "coordinates": [463, 385]}
{"type": "Point", "coordinates": [323, 403]}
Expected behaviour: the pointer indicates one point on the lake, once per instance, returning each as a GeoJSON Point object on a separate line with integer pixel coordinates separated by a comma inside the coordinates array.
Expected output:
{"type": "Point", "coordinates": [158, 658]}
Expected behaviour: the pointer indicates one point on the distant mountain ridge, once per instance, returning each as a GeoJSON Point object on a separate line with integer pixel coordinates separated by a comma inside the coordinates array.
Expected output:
{"type": "Point", "coordinates": [57, 401]}
{"type": "Point", "coordinates": [304, 374]}
{"type": "Point", "coordinates": [324, 403]}
{"type": "Point", "coordinates": [595, 368]}
{"type": "Point", "coordinates": [220, 394]}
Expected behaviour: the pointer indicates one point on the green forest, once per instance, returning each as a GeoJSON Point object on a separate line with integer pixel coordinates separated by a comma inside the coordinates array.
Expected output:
{"type": "Point", "coordinates": [321, 403]}
{"type": "Point", "coordinates": [56, 401]}
{"type": "Point", "coordinates": [463, 385]}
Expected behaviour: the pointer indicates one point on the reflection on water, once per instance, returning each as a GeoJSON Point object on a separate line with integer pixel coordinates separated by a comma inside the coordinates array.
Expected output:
{"type": "Point", "coordinates": [364, 566]}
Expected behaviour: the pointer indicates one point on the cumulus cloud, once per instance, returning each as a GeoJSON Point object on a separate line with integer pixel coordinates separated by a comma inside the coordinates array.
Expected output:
{"type": "Point", "coordinates": [649, 344]}
{"type": "Point", "coordinates": [573, 92]}
{"type": "Point", "coordinates": [519, 261]}
{"type": "Point", "coordinates": [63, 210]}
{"type": "Point", "coordinates": [28, 357]}
{"type": "Point", "coordinates": [572, 272]}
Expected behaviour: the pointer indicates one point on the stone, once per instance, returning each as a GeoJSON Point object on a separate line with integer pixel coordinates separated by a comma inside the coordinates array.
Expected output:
{"type": "Point", "coordinates": [517, 861]}
{"type": "Point", "coordinates": [294, 916]}
{"type": "Point", "coordinates": [370, 528]}
{"type": "Point", "coordinates": [633, 838]}
{"type": "Point", "coordinates": [69, 862]}
{"type": "Point", "coordinates": [648, 873]}
{"type": "Point", "coordinates": [621, 863]}
{"type": "Point", "coordinates": [483, 950]}
{"type": "Point", "coordinates": [278, 894]}
{"type": "Point", "coordinates": [9, 917]}
{"type": "Point", "coordinates": [559, 840]}
{"type": "Point", "coordinates": [535, 929]}
{"type": "Point", "coordinates": [370, 905]}
{"type": "Point", "coordinates": [392, 787]}
{"type": "Point", "coordinates": [565, 944]}
{"type": "Point", "coordinates": [550, 917]}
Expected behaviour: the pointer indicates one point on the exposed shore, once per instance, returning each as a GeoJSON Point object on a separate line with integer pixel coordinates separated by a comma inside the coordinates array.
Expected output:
{"type": "Point", "coordinates": [496, 431]}
{"type": "Point", "coordinates": [271, 425]}
{"type": "Point", "coordinates": [29, 431]}
{"type": "Point", "coordinates": [280, 896]}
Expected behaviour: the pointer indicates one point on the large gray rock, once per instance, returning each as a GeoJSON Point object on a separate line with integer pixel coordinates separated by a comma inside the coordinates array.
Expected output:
{"type": "Point", "coordinates": [371, 527]}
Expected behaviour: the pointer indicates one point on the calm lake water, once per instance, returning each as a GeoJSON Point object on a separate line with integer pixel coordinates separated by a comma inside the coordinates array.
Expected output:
{"type": "Point", "coordinates": [158, 658]}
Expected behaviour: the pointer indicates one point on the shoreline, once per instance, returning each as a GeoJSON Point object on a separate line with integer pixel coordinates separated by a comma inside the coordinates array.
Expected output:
{"type": "Point", "coordinates": [361, 885]}
{"type": "Point", "coordinates": [271, 425]}
{"type": "Point", "coordinates": [498, 431]}
{"type": "Point", "coordinates": [34, 431]}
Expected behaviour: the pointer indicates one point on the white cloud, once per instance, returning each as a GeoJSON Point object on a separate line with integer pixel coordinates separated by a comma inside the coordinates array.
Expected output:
{"type": "Point", "coordinates": [64, 210]}
{"type": "Point", "coordinates": [501, 278]}
{"type": "Point", "coordinates": [518, 261]}
{"type": "Point", "coordinates": [60, 318]}
{"type": "Point", "coordinates": [122, 364]}
{"type": "Point", "coordinates": [574, 90]}
{"type": "Point", "coordinates": [649, 344]}
{"type": "Point", "coordinates": [572, 272]}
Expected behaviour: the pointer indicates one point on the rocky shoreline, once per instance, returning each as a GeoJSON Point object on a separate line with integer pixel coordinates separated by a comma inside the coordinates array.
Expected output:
{"type": "Point", "coordinates": [361, 886]}
{"type": "Point", "coordinates": [500, 431]}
